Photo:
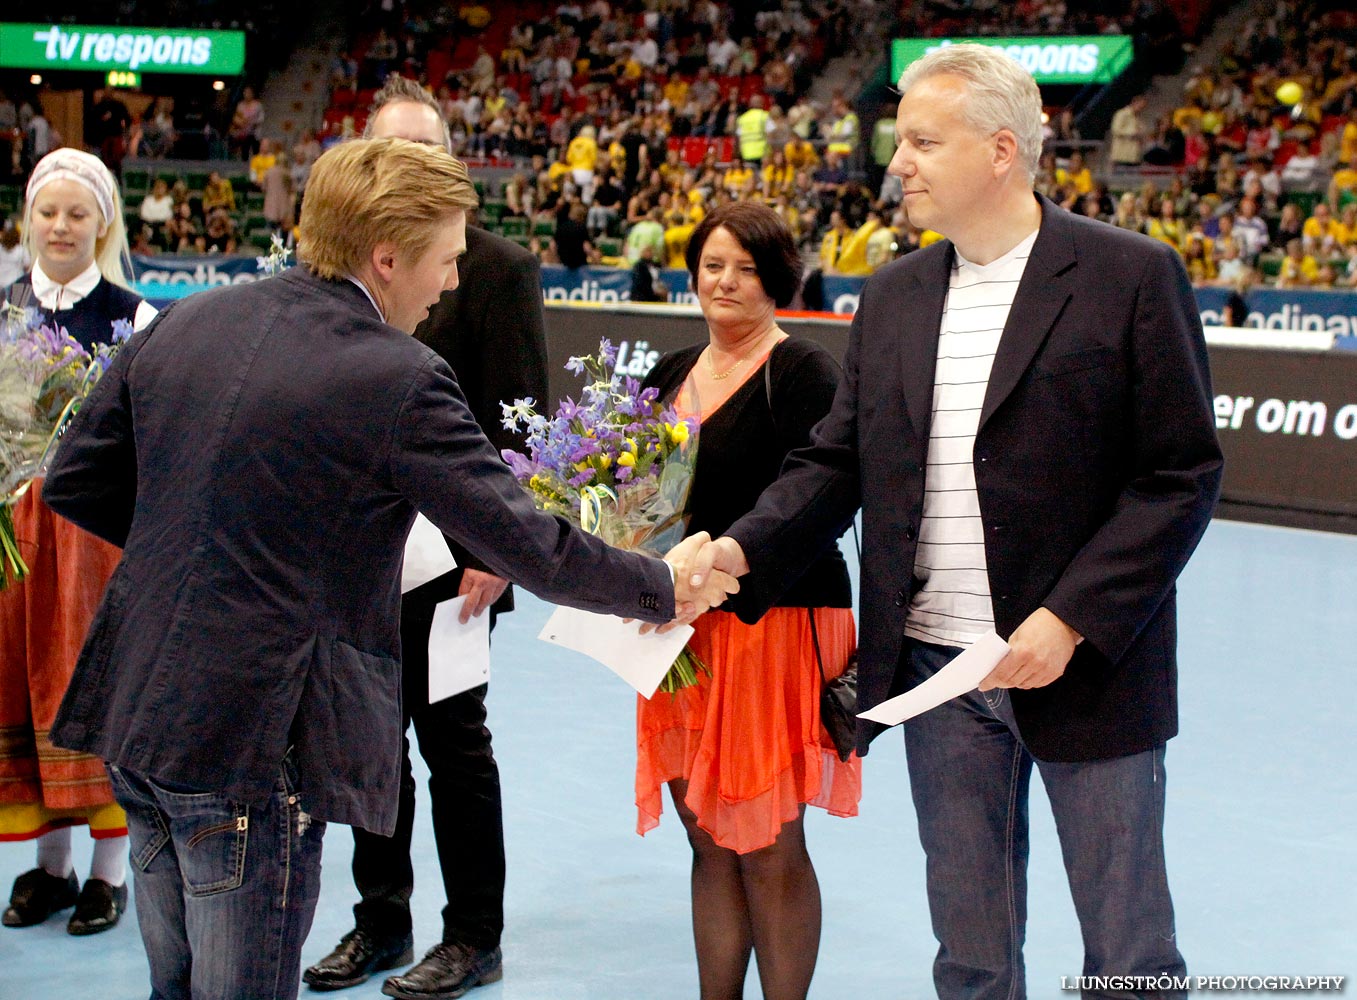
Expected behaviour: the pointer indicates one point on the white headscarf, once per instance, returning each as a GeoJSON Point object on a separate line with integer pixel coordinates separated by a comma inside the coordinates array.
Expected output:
{"type": "Point", "coordinates": [68, 164]}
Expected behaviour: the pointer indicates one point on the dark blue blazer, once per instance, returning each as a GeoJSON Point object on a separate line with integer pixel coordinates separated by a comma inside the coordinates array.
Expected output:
{"type": "Point", "coordinates": [1096, 465]}
{"type": "Point", "coordinates": [259, 452]}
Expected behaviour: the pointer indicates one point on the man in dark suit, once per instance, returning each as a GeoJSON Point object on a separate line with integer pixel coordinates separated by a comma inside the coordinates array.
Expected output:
{"type": "Point", "coordinates": [1026, 423]}
{"type": "Point", "coordinates": [491, 333]}
{"type": "Point", "coordinates": [259, 453]}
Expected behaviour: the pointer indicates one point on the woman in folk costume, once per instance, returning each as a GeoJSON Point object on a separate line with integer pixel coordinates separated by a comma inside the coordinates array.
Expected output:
{"type": "Point", "coordinates": [73, 227]}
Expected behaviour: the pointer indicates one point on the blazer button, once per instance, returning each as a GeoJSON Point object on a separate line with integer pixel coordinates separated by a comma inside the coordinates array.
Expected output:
{"type": "Point", "coordinates": [901, 598]}
{"type": "Point", "coordinates": [910, 533]}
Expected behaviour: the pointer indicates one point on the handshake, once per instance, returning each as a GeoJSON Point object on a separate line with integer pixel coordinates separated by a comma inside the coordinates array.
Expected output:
{"type": "Point", "coordinates": [704, 575]}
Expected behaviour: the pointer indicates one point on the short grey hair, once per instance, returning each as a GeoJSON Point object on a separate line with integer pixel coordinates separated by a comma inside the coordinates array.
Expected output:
{"type": "Point", "coordinates": [1002, 93]}
{"type": "Point", "coordinates": [402, 90]}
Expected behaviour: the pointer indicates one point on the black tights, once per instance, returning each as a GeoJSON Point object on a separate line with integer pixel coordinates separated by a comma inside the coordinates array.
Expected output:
{"type": "Point", "coordinates": [767, 902]}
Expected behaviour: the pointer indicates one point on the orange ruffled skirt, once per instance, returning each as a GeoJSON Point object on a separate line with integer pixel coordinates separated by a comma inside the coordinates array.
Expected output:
{"type": "Point", "coordinates": [748, 738]}
{"type": "Point", "coordinates": [43, 623]}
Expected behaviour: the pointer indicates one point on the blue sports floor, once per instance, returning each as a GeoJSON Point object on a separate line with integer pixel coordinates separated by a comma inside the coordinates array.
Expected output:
{"type": "Point", "coordinates": [1262, 821]}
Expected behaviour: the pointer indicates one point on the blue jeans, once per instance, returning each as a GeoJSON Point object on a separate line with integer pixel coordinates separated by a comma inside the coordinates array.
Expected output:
{"type": "Point", "coordinates": [225, 891]}
{"type": "Point", "coordinates": [969, 774]}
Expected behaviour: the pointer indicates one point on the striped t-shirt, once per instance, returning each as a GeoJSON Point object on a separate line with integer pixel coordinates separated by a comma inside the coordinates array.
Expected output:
{"type": "Point", "coordinates": [952, 606]}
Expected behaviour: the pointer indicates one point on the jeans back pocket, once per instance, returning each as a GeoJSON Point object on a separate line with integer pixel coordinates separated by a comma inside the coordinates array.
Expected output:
{"type": "Point", "coordinates": [211, 834]}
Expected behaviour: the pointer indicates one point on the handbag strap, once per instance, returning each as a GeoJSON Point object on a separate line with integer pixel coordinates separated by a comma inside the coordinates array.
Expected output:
{"type": "Point", "coordinates": [768, 395]}
{"type": "Point", "coordinates": [815, 641]}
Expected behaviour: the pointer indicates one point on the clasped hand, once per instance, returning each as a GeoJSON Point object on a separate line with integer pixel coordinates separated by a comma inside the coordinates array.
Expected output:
{"type": "Point", "coordinates": [697, 586]}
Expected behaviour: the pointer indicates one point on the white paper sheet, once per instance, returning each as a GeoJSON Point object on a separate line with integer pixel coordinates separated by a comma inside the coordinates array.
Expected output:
{"type": "Point", "coordinates": [459, 655]}
{"type": "Point", "coordinates": [426, 555]}
{"type": "Point", "coordinates": [960, 676]}
{"type": "Point", "coordinates": [640, 660]}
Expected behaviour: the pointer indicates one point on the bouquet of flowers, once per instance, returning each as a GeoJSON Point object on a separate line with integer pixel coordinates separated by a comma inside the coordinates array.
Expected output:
{"type": "Point", "coordinates": [617, 460]}
{"type": "Point", "coordinates": [44, 376]}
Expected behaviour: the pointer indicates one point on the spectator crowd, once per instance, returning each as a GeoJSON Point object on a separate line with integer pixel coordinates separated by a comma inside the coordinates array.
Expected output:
{"type": "Point", "coordinates": [606, 131]}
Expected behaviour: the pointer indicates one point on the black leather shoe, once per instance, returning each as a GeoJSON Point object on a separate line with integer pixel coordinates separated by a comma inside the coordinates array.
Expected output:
{"type": "Point", "coordinates": [100, 907]}
{"type": "Point", "coordinates": [357, 956]}
{"type": "Point", "coordinates": [37, 895]}
{"type": "Point", "coordinates": [446, 972]}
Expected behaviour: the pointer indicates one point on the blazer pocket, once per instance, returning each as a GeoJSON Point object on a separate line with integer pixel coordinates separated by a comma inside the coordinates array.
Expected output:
{"type": "Point", "coordinates": [1075, 361]}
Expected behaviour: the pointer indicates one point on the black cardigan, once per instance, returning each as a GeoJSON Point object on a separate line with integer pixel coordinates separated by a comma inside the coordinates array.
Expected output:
{"type": "Point", "coordinates": [742, 445]}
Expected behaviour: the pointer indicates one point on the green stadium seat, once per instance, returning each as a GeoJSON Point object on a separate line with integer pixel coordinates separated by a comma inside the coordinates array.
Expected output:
{"type": "Point", "coordinates": [609, 247]}
{"type": "Point", "coordinates": [544, 228]}
{"type": "Point", "coordinates": [493, 209]}
{"type": "Point", "coordinates": [11, 197]}
{"type": "Point", "coordinates": [196, 180]}
{"type": "Point", "coordinates": [1270, 265]}
{"type": "Point", "coordinates": [514, 225]}
{"type": "Point", "coordinates": [136, 180]}
{"type": "Point", "coordinates": [254, 201]}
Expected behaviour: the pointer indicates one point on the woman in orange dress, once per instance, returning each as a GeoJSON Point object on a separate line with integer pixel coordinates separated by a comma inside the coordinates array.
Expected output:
{"type": "Point", "coordinates": [743, 751]}
{"type": "Point", "coordinates": [73, 226]}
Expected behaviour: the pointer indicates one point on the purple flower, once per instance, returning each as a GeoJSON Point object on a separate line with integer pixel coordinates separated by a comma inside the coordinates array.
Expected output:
{"type": "Point", "coordinates": [521, 466]}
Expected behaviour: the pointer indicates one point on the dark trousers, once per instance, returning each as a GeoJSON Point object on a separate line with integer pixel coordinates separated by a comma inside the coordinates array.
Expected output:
{"type": "Point", "coordinates": [464, 797]}
{"type": "Point", "coordinates": [969, 773]}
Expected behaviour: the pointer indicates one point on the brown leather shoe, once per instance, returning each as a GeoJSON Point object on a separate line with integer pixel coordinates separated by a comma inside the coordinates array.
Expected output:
{"type": "Point", "coordinates": [37, 895]}
{"type": "Point", "coordinates": [98, 909]}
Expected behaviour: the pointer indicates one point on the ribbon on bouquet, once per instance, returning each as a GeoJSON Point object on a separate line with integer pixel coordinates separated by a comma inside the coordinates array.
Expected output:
{"type": "Point", "coordinates": [591, 506]}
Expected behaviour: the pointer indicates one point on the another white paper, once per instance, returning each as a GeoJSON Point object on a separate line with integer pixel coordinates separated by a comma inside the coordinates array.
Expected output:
{"type": "Point", "coordinates": [963, 674]}
{"type": "Point", "coordinates": [426, 555]}
{"type": "Point", "coordinates": [640, 660]}
{"type": "Point", "coordinates": [459, 655]}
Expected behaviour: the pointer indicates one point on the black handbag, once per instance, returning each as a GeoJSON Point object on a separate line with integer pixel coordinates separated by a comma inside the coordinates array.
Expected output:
{"type": "Point", "coordinates": [838, 699]}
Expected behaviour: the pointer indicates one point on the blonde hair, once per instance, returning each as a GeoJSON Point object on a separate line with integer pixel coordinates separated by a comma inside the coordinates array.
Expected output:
{"type": "Point", "coordinates": [112, 255]}
{"type": "Point", "coordinates": [1003, 95]}
{"type": "Point", "coordinates": [368, 191]}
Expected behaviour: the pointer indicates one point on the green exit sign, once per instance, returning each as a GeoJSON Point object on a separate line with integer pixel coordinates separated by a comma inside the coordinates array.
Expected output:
{"type": "Point", "coordinates": [128, 50]}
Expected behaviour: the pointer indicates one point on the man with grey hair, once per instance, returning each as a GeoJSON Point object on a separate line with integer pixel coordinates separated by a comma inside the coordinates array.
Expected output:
{"type": "Point", "coordinates": [494, 339]}
{"type": "Point", "coordinates": [1026, 423]}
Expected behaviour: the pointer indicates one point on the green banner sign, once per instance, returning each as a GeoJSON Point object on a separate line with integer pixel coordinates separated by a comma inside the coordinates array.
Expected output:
{"type": "Point", "coordinates": [141, 50]}
{"type": "Point", "coordinates": [1057, 59]}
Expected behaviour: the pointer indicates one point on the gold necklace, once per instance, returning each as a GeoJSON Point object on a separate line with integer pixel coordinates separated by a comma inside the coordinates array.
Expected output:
{"type": "Point", "coordinates": [718, 376]}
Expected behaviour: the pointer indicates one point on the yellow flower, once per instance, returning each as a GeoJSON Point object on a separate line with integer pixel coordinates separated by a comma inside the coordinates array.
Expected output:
{"type": "Point", "coordinates": [626, 458]}
{"type": "Point", "coordinates": [678, 433]}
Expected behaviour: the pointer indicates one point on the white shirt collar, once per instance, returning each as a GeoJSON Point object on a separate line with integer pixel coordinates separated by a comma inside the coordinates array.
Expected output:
{"type": "Point", "coordinates": [53, 296]}
{"type": "Point", "coordinates": [370, 298]}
